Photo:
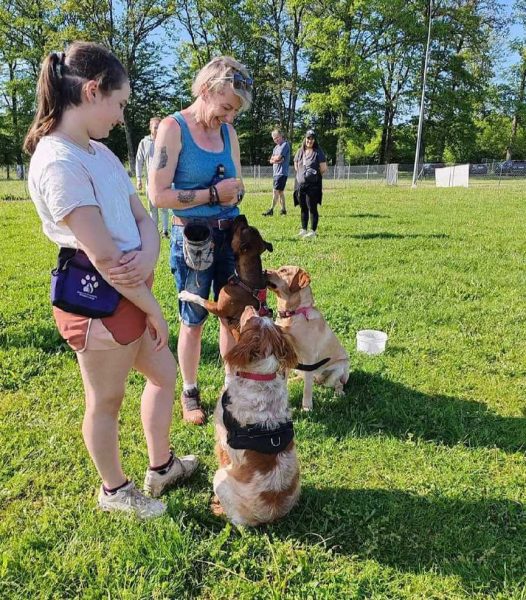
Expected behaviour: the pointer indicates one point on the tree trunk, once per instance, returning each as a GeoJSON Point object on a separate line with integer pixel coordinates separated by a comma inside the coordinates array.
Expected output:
{"type": "Point", "coordinates": [129, 144]}
{"type": "Point", "coordinates": [520, 102]}
{"type": "Point", "coordinates": [385, 133]}
{"type": "Point", "coordinates": [389, 139]}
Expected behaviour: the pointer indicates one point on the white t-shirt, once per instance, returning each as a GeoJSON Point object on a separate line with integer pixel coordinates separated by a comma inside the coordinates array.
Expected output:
{"type": "Point", "coordinates": [63, 176]}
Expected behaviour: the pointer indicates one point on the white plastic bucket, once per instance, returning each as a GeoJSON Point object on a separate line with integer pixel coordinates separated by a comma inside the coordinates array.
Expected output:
{"type": "Point", "coordinates": [371, 341]}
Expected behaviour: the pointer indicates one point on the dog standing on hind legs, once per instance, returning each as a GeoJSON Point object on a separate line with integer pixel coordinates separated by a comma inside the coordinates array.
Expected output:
{"type": "Point", "coordinates": [258, 477]}
{"type": "Point", "coordinates": [313, 338]}
{"type": "Point", "coordinates": [248, 286]}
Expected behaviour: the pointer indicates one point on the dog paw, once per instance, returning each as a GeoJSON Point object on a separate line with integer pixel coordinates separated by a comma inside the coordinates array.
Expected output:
{"type": "Point", "coordinates": [306, 408]}
{"type": "Point", "coordinates": [186, 296]}
{"type": "Point", "coordinates": [216, 508]}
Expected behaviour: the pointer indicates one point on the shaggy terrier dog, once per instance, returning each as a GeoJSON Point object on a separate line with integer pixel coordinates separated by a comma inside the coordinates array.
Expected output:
{"type": "Point", "coordinates": [258, 479]}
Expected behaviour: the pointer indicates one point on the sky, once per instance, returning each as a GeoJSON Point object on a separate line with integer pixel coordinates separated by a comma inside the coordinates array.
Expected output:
{"type": "Point", "coordinates": [516, 30]}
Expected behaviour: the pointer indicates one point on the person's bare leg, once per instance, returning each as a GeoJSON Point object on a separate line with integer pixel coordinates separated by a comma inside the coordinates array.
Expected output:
{"type": "Point", "coordinates": [226, 343]}
{"type": "Point", "coordinates": [104, 374]}
{"type": "Point", "coordinates": [275, 200]}
{"type": "Point", "coordinates": [189, 351]}
{"type": "Point", "coordinates": [160, 370]}
{"type": "Point", "coordinates": [281, 196]}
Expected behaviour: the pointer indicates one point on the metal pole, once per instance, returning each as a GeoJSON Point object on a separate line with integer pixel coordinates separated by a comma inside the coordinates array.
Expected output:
{"type": "Point", "coordinates": [421, 116]}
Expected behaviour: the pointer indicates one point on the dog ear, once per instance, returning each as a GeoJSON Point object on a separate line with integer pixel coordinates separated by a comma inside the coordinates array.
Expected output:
{"type": "Point", "coordinates": [300, 281]}
{"type": "Point", "coordinates": [240, 219]}
{"type": "Point", "coordinates": [268, 246]}
{"type": "Point", "coordinates": [248, 347]}
{"type": "Point", "coordinates": [287, 356]}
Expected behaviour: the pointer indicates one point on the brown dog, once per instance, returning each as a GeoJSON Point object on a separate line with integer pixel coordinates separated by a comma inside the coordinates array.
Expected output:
{"type": "Point", "coordinates": [248, 287]}
{"type": "Point", "coordinates": [258, 477]}
{"type": "Point", "coordinates": [312, 336]}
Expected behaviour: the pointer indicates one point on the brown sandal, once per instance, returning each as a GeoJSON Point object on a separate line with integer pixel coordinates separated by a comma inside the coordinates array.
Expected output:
{"type": "Point", "coordinates": [192, 411]}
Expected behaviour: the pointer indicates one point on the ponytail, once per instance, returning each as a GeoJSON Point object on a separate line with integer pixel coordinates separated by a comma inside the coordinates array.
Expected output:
{"type": "Point", "coordinates": [50, 100]}
{"type": "Point", "coordinates": [61, 80]}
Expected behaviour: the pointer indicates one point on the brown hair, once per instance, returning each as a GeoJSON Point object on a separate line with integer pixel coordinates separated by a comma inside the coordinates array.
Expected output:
{"type": "Point", "coordinates": [261, 338]}
{"type": "Point", "coordinates": [62, 77]}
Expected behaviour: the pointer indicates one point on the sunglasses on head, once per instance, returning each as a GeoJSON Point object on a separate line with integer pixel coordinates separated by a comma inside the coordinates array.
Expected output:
{"type": "Point", "coordinates": [239, 82]}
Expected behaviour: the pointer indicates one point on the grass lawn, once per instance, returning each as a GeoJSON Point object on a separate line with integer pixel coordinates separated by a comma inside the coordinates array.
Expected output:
{"type": "Point", "coordinates": [414, 482]}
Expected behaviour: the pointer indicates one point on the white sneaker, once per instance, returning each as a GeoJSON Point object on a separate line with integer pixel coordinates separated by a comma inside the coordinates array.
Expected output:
{"type": "Point", "coordinates": [156, 483]}
{"type": "Point", "coordinates": [310, 235]}
{"type": "Point", "coordinates": [130, 499]}
{"type": "Point", "coordinates": [302, 232]}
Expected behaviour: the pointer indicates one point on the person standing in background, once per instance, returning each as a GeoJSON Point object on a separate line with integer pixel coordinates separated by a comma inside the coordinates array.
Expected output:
{"type": "Point", "coordinates": [310, 164]}
{"type": "Point", "coordinates": [143, 158]}
{"type": "Point", "coordinates": [280, 170]}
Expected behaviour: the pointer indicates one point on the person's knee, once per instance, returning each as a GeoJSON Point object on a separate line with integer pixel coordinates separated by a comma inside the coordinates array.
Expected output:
{"type": "Point", "coordinates": [166, 378]}
{"type": "Point", "coordinates": [104, 404]}
{"type": "Point", "coordinates": [190, 332]}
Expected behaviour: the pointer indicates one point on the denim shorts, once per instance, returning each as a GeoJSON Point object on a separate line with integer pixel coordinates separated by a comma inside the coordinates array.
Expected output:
{"type": "Point", "coordinates": [200, 282]}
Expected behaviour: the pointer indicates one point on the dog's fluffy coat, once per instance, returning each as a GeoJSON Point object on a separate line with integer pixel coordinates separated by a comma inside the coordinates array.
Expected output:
{"type": "Point", "coordinates": [252, 488]}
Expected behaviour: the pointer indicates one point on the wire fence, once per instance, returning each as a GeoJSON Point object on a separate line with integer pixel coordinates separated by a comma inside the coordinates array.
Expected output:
{"type": "Point", "coordinates": [340, 177]}
{"type": "Point", "coordinates": [258, 178]}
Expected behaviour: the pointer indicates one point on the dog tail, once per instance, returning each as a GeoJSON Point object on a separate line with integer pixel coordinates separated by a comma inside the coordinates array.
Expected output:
{"type": "Point", "coordinates": [301, 367]}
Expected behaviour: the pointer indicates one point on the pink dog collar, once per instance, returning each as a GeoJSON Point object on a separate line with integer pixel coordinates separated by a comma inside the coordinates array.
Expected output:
{"type": "Point", "coordinates": [256, 376]}
{"type": "Point", "coordinates": [302, 310]}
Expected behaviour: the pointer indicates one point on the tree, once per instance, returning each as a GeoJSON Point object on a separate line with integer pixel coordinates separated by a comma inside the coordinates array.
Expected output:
{"type": "Point", "coordinates": [127, 29]}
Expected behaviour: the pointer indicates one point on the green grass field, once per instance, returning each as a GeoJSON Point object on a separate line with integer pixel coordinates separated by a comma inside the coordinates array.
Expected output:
{"type": "Point", "coordinates": [414, 482]}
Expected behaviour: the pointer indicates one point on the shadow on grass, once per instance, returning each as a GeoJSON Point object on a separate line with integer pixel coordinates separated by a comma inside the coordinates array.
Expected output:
{"type": "Point", "coordinates": [374, 405]}
{"type": "Point", "coordinates": [481, 541]}
{"type": "Point", "coordinates": [385, 235]}
{"type": "Point", "coordinates": [368, 216]}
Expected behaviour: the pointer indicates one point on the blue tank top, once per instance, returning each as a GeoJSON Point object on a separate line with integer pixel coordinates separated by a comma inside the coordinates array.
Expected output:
{"type": "Point", "coordinates": [196, 168]}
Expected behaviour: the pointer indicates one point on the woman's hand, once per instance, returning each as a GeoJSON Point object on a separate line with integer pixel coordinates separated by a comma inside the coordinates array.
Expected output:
{"type": "Point", "coordinates": [227, 190]}
{"type": "Point", "coordinates": [158, 329]}
{"type": "Point", "coordinates": [135, 268]}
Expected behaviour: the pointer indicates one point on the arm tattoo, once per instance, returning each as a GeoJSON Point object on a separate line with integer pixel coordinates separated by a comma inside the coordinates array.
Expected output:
{"type": "Point", "coordinates": [186, 196]}
{"type": "Point", "coordinates": [161, 158]}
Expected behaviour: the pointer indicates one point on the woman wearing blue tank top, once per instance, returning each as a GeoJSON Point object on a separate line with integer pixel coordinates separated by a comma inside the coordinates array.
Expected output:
{"type": "Point", "coordinates": [196, 171]}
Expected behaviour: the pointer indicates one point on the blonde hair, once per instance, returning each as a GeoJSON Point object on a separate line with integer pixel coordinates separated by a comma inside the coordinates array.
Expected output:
{"type": "Point", "coordinates": [214, 78]}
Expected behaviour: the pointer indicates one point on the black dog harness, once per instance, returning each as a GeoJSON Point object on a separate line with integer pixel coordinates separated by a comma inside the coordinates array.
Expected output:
{"type": "Point", "coordinates": [255, 437]}
{"type": "Point", "coordinates": [259, 294]}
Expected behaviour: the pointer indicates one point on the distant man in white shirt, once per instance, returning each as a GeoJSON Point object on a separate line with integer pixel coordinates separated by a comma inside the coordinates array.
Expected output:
{"type": "Point", "coordinates": [143, 158]}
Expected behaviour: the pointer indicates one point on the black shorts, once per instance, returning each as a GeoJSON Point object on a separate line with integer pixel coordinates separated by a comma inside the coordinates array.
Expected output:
{"type": "Point", "coordinates": [280, 182]}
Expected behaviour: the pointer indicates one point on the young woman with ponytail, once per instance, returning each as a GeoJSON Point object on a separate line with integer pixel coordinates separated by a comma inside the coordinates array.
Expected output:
{"type": "Point", "coordinates": [88, 206]}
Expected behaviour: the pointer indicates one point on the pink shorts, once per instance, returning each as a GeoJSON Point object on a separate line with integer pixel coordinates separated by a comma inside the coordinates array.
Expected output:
{"type": "Point", "coordinates": [125, 326]}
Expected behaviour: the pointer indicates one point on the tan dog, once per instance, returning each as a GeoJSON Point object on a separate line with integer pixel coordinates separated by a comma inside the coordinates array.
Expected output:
{"type": "Point", "coordinates": [258, 478]}
{"type": "Point", "coordinates": [312, 336]}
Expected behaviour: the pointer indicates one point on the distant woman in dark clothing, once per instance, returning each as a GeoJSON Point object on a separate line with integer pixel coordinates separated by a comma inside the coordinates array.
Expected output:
{"type": "Point", "coordinates": [310, 165]}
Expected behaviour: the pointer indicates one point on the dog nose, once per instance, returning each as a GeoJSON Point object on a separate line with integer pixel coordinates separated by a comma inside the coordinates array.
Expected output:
{"type": "Point", "coordinates": [249, 312]}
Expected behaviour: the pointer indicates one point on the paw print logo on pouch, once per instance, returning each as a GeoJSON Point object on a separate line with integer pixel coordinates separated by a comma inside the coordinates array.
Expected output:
{"type": "Point", "coordinates": [90, 284]}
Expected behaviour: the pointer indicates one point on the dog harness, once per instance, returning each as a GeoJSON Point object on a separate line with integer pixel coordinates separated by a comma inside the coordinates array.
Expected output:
{"type": "Point", "coordinates": [255, 436]}
{"type": "Point", "coordinates": [259, 294]}
{"type": "Point", "coordinates": [302, 310]}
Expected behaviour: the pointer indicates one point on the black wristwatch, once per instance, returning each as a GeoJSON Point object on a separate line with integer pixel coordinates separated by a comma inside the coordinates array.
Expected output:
{"type": "Point", "coordinates": [214, 196]}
